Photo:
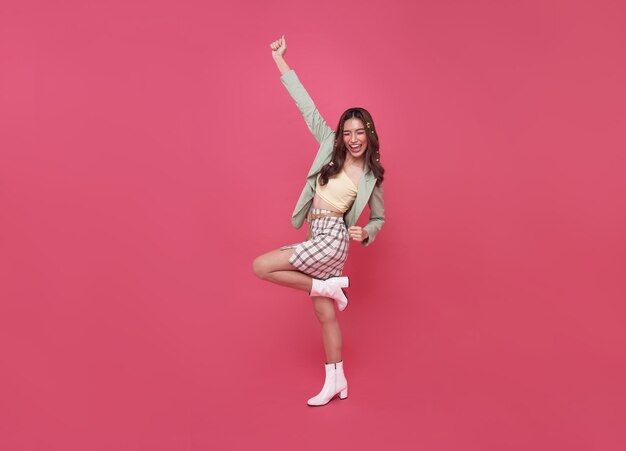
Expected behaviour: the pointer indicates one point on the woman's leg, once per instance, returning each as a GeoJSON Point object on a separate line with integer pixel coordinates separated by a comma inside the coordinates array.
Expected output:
{"type": "Point", "coordinates": [274, 267]}
{"type": "Point", "coordinates": [331, 333]}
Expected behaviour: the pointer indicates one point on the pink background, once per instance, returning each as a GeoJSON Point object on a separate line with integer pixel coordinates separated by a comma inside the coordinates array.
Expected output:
{"type": "Point", "coordinates": [149, 152]}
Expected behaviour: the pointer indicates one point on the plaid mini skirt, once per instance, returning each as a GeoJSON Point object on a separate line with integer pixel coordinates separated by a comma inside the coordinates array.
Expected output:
{"type": "Point", "coordinates": [323, 255]}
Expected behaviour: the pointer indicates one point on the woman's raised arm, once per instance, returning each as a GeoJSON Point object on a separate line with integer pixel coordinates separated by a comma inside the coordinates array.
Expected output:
{"type": "Point", "coordinates": [279, 47]}
{"type": "Point", "coordinates": [314, 120]}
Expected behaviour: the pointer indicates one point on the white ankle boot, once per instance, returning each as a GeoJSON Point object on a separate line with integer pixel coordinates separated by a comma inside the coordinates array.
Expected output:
{"type": "Point", "coordinates": [335, 383]}
{"type": "Point", "coordinates": [332, 288]}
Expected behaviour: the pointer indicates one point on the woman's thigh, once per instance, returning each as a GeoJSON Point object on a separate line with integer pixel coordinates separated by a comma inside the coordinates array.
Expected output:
{"type": "Point", "coordinates": [276, 260]}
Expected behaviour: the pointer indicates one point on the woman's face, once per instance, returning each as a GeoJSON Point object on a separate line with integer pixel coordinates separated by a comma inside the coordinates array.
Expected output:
{"type": "Point", "coordinates": [355, 137]}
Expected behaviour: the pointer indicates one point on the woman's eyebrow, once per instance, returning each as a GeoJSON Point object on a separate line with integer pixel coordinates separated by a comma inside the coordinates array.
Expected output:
{"type": "Point", "coordinates": [349, 129]}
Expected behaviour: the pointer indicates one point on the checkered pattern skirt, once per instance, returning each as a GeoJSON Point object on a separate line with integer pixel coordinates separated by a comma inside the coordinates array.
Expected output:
{"type": "Point", "coordinates": [324, 255]}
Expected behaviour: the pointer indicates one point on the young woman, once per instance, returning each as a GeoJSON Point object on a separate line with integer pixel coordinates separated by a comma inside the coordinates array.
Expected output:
{"type": "Point", "coordinates": [345, 176]}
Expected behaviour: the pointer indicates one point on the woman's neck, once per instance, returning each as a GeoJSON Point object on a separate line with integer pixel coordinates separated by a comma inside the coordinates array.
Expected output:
{"type": "Point", "coordinates": [351, 161]}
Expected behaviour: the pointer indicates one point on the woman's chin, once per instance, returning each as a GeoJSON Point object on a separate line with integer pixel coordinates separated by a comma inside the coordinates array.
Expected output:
{"type": "Point", "coordinates": [357, 154]}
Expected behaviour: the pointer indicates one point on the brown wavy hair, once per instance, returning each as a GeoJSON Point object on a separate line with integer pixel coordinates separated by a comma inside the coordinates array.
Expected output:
{"type": "Point", "coordinates": [372, 155]}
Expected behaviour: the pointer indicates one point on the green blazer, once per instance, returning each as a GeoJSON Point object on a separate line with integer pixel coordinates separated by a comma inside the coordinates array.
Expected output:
{"type": "Point", "coordinates": [368, 192]}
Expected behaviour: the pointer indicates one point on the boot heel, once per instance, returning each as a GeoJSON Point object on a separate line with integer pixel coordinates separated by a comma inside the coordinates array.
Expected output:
{"type": "Point", "coordinates": [343, 394]}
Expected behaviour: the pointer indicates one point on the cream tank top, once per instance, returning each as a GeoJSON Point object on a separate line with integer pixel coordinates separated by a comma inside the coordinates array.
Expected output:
{"type": "Point", "coordinates": [340, 191]}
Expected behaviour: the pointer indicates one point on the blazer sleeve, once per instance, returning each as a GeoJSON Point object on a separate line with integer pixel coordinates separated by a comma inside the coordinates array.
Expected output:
{"type": "Point", "coordinates": [312, 117]}
{"type": "Point", "coordinates": [377, 215]}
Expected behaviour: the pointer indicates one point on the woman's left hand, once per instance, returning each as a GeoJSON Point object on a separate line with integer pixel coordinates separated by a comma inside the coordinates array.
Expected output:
{"type": "Point", "coordinates": [358, 233]}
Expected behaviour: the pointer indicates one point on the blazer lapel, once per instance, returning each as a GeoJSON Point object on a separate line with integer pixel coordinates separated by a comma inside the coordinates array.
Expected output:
{"type": "Point", "coordinates": [366, 186]}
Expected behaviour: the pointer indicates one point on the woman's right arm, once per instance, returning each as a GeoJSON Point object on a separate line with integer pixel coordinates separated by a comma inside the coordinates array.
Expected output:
{"type": "Point", "coordinates": [314, 120]}
{"type": "Point", "coordinates": [279, 47]}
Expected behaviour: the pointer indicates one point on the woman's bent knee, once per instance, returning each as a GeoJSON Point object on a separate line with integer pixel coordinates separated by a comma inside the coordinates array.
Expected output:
{"type": "Point", "coordinates": [260, 267]}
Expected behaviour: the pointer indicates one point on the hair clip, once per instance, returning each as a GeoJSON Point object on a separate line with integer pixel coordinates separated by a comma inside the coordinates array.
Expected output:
{"type": "Point", "coordinates": [368, 125]}
{"type": "Point", "coordinates": [331, 163]}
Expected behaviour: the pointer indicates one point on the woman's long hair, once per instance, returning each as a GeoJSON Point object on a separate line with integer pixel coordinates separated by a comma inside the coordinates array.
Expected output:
{"type": "Point", "coordinates": [372, 155]}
